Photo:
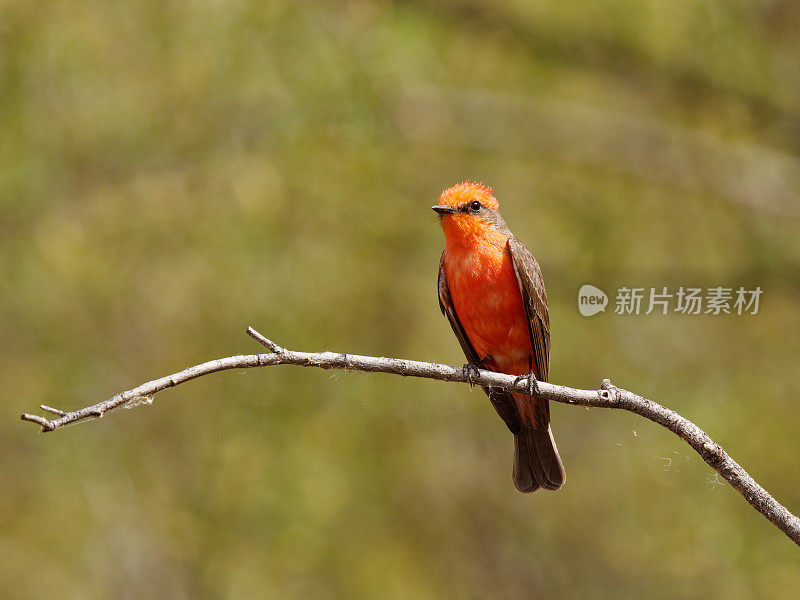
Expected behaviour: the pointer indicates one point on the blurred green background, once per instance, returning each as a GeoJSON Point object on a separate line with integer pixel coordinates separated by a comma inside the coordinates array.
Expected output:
{"type": "Point", "coordinates": [171, 172]}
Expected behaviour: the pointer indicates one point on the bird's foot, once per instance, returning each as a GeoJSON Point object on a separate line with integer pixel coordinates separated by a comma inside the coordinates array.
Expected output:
{"type": "Point", "coordinates": [471, 371]}
{"type": "Point", "coordinates": [533, 383]}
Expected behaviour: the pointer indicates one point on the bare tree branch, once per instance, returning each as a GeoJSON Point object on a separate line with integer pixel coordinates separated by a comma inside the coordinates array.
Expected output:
{"type": "Point", "coordinates": [609, 396]}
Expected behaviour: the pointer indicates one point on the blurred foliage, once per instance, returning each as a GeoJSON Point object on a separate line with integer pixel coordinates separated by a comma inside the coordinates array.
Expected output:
{"type": "Point", "coordinates": [172, 172]}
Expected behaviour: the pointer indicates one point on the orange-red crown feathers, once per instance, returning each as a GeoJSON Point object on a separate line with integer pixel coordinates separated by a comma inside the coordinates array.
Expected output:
{"type": "Point", "coordinates": [467, 192]}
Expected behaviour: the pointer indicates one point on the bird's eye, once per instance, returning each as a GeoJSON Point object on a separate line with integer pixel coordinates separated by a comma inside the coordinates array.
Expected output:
{"type": "Point", "coordinates": [475, 205]}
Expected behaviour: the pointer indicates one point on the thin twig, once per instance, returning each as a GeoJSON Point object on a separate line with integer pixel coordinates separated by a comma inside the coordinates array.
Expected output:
{"type": "Point", "coordinates": [264, 341]}
{"type": "Point", "coordinates": [609, 396]}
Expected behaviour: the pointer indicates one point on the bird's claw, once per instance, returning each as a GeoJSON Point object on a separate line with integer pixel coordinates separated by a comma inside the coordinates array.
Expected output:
{"type": "Point", "coordinates": [469, 371]}
{"type": "Point", "coordinates": [533, 383]}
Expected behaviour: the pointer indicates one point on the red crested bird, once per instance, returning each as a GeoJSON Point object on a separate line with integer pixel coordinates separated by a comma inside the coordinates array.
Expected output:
{"type": "Point", "coordinates": [492, 292]}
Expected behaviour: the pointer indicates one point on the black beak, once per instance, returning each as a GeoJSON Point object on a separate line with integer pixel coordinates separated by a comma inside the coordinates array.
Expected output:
{"type": "Point", "coordinates": [443, 209]}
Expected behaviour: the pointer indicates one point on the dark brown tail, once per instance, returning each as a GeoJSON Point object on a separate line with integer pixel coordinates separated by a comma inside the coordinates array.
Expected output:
{"type": "Point", "coordinates": [536, 461]}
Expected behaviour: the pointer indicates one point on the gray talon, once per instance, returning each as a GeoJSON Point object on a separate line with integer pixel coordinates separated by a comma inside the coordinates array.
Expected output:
{"type": "Point", "coordinates": [469, 370]}
{"type": "Point", "coordinates": [533, 387]}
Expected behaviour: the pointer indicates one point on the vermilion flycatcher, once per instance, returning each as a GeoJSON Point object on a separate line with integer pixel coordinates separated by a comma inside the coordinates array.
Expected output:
{"type": "Point", "coordinates": [492, 291]}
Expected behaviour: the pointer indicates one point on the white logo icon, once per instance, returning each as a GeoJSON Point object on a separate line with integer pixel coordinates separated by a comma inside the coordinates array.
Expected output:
{"type": "Point", "coordinates": [591, 300]}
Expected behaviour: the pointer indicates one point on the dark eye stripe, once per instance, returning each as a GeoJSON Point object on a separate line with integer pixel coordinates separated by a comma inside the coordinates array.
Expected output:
{"type": "Point", "coordinates": [473, 206]}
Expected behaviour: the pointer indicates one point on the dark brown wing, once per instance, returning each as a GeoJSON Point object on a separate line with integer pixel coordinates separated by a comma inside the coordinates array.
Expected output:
{"type": "Point", "coordinates": [534, 297]}
{"type": "Point", "coordinates": [536, 459]}
{"type": "Point", "coordinates": [503, 402]}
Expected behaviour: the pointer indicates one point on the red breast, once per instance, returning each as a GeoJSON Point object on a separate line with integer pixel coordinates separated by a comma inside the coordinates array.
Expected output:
{"type": "Point", "coordinates": [483, 284]}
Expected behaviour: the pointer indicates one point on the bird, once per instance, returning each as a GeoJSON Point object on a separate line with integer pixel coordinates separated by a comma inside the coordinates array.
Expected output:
{"type": "Point", "coordinates": [492, 292]}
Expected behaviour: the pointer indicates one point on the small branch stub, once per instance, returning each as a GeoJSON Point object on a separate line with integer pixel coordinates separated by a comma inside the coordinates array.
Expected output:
{"type": "Point", "coordinates": [41, 421]}
{"type": "Point", "coordinates": [264, 341]}
{"type": "Point", "coordinates": [609, 392]}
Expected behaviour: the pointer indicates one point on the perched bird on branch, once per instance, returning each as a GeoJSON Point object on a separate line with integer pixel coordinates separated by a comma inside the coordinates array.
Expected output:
{"type": "Point", "coordinates": [492, 292]}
